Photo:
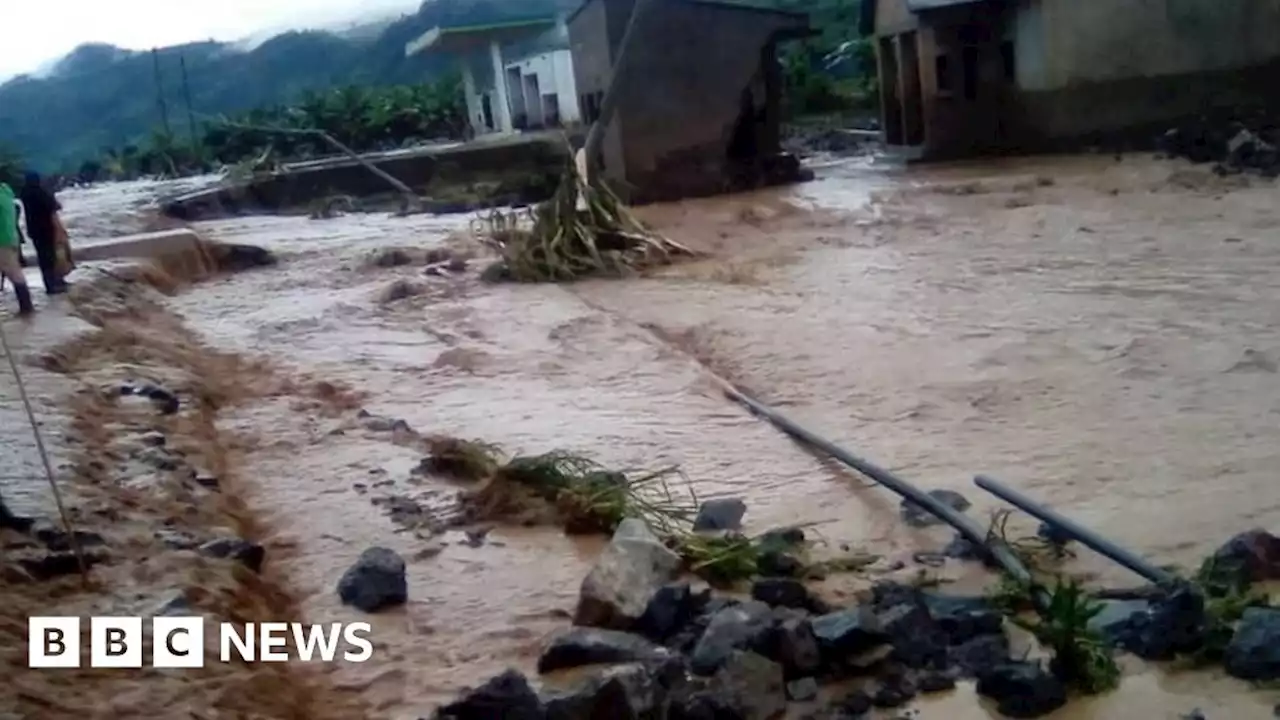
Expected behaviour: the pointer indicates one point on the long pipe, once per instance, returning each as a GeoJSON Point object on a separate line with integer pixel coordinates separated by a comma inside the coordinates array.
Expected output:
{"type": "Point", "coordinates": [1076, 532]}
{"type": "Point", "coordinates": [1000, 552]}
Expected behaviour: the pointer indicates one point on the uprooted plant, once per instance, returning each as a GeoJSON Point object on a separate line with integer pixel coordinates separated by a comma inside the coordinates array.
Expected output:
{"type": "Point", "coordinates": [584, 230]}
{"type": "Point", "coordinates": [1062, 613]}
{"type": "Point", "coordinates": [585, 497]}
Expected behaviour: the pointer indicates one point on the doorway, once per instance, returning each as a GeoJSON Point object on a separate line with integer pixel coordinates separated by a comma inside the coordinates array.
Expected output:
{"type": "Point", "coordinates": [533, 102]}
{"type": "Point", "coordinates": [515, 93]}
{"type": "Point", "coordinates": [890, 102]}
{"type": "Point", "coordinates": [912, 94]}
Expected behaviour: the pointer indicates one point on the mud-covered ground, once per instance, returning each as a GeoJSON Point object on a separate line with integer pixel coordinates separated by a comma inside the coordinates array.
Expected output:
{"type": "Point", "coordinates": [1098, 333]}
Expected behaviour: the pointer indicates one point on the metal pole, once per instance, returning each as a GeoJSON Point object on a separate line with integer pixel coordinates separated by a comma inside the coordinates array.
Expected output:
{"type": "Point", "coordinates": [1000, 552]}
{"type": "Point", "coordinates": [164, 109]}
{"type": "Point", "coordinates": [44, 458]}
{"type": "Point", "coordinates": [186, 97]}
{"type": "Point", "coordinates": [1075, 532]}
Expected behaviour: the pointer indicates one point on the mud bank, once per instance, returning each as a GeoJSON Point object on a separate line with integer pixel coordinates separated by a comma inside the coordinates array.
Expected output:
{"type": "Point", "coordinates": [454, 179]}
{"type": "Point", "coordinates": [154, 493]}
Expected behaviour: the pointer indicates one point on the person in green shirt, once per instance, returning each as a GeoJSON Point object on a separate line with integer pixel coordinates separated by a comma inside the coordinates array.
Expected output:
{"type": "Point", "coordinates": [10, 265]}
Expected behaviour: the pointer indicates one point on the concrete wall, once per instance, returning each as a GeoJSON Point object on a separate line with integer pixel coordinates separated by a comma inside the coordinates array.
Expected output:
{"type": "Point", "coordinates": [1131, 63]}
{"type": "Point", "coordinates": [1120, 39]}
{"type": "Point", "coordinates": [683, 102]}
{"type": "Point", "coordinates": [555, 74]}
{"type": "Point", "coordinates": [593, 69]}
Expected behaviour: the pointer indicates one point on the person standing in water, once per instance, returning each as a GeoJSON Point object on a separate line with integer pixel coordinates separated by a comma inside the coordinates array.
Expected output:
{"type": "Point", "coordinates": [41, 209]}
{"type": "Point", "coordinates": [10, 269]}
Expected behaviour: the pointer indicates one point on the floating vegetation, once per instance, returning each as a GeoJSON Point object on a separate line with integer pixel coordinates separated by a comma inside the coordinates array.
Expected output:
{"type": "Point", "coordinates": [460, 459]}
{"type": "Point", "coordinates": [582, 231]}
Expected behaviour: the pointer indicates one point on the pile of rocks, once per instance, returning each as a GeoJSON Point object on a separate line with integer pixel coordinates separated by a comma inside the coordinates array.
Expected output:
{"type": "Point", "coordinates": [667, 649]}
{"type": "Point", "coordinates": [1235, 146]}
{"type": "Point", "coordinates": [674, 650]}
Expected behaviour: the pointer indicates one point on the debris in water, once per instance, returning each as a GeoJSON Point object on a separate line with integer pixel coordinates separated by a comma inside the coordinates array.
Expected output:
{"type": "Point", "coordinates": [581, 231]}
{"type": "Point", "coordinates": [375, 581]}
{"type": "Point", "coordinates": [460, 459]}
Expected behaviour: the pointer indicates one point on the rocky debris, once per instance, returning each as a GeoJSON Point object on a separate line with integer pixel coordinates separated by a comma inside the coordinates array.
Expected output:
{"type": "Point", "coordinates": [59, 540]}
{"type": "Point", "coordinates": [400, 290]}
{"type": "Point", "coordinates": [58, 564]}
{"type": "Point", "coordinates": [781, 553]}
{"type": "Point", "coordinates": [251, 555]}
{"type": "Point", "coordinates": [670, 609]}
{"type": "Point", "coordinates": [750, 686]}
{"type": "Point", "coordinates": [785, 592]}
{"type": "Point", "coordinates": [720, 514]}
{"type": "Point", "coordinates": [381, 423]}
{"type": "Point", "coordinates": [731, 628]}
{"type": "Point", "coordinates": [916, 516]}
{"type": "Point", "coordinates": [635, 690]}
{"type": "Point", "coordinates": [165, 401]}
{"type": "Point", "coordinates": [1254, 651]}
{"type": "Point", "coordinates": [1247, 558]}
{"type": "Point", "coordinates": [632, 569]}
{"type": "Point", "coordinates": [10, 521]}
{"type": "Point", "coordinates": [802, 690]}
{"type": "Point", "coordinates": [234, 257]}
{"type": "Point", "coordinates": [375, 581]}
{"type": "Point", "coordinates": [506, 696]}
{"type": "Point", "coordinates": [591, 646]}
{"type": "Point", "coordinates": [1022, 689]}
{"type": "Point", "coordinates": [848, 633]}
{"type": "Point", "coordinates": [1239, 145]}
{"type": "Point", "coordinates": [1159, 629]}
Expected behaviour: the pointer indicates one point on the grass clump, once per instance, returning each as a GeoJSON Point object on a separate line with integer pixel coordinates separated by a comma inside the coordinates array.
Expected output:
{"type": "Point", "coordinates": [460, 459]}
{"type": "Point", "coordinates": [582, 495]}
{"type": "Point", "coordinates": [582, 231]}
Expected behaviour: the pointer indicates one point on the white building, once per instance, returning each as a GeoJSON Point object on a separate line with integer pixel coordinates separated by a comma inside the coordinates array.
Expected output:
{"type": "Point", "coordinates": [526, 64]}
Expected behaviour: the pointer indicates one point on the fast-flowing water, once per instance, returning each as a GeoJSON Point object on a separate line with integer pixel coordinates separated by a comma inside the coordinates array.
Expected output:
{"type": "Point", "coordinates": [1098, 333]}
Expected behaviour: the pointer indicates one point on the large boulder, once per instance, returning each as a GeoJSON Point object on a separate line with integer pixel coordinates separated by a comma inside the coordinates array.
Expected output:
{"type": "Point", "coordinates": [1254, 651]}
{"type": "Point", "coordinates": [590, 646]}
{"type": "Point", "coordinates": [375, 581]}
{"type": "Point", "coordinates": [670, 610]}
{"type": "Point", "coordinates": [1022, 690]}
{"type": "Point", "coordinates": [1247, 558]}
{"type": "Point", "coordinates": [506, 696]}
{"type": "Point", "coordinates": [631, 570]}
{"type": "Point", "coordinates": [720, 514]}
{"type": "Point", "coordinates": [623, 692]}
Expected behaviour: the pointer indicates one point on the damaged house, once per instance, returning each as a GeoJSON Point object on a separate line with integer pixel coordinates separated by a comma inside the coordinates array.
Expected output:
{"type": "Point", "coordinates": [963, 77]}
{"type": "Point", "coordinates": [701, 113]}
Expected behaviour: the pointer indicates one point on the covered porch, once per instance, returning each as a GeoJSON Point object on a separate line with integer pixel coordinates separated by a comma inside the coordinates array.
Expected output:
{"type": "Point", "coordinates": [489, 110]}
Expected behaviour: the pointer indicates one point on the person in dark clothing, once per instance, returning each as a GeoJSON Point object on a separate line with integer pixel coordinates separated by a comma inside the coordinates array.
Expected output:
{"type": "Point", "coordinates": [41, 209]}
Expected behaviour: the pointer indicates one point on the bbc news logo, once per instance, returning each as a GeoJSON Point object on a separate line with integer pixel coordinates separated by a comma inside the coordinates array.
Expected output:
{"type": "Point", "coordinates": [178, 642]}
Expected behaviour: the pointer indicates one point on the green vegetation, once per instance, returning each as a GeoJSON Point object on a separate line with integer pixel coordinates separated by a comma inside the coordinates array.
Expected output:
{"type": "Point", "coordinates": [364, 119]}
{"type": "Point", "coordinates": [1056, 611]}
{"type": "Point", "coordinates": [584, 497]}
{"type": "Point", "coordinates": [105, 112]}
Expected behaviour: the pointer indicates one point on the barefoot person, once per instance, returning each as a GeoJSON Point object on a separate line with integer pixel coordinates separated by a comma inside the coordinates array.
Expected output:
{"type": "Point", "coordinates": [43, 229]}
{"type": "Point", "coordinates": [10, 269]}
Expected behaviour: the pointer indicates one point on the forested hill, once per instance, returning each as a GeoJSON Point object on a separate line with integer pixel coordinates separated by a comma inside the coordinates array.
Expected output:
{"type": "Point", "coordinates": [102, 96]}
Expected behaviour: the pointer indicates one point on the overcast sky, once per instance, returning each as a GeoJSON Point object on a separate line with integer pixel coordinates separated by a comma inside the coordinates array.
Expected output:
{"type": "Point", "coordinates": [35, 32]}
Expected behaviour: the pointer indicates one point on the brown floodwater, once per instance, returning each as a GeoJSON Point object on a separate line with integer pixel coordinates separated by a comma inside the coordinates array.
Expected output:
{"type": "Point", "coordinates": [1101, 334]}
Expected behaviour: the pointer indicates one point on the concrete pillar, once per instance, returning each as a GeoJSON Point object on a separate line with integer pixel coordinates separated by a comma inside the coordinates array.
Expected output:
{"type": "Point", "coordinates": [474, 115]}
{"type": "Point", "coordinates": [502, 103]}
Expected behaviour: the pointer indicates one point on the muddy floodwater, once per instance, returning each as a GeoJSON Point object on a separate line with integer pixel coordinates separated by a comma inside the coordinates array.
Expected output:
{"type": "Point", "coordinates": [1101, 333]}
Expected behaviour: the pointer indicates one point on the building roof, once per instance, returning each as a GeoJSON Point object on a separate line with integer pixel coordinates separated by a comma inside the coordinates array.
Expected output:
{"type": "Point", "coordinates": [466, 38]}
{"type": "Point", "coordinates": [756, 6]}
{"type": "Point", "coordinates": [867, 16]}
